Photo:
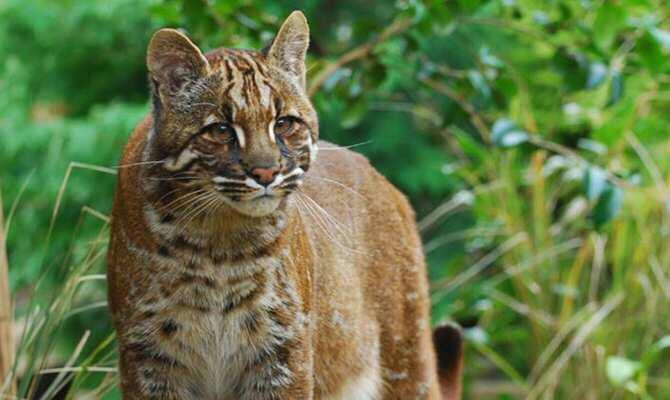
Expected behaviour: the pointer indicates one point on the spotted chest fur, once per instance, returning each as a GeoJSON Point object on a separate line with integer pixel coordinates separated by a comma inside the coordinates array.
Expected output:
{"type": "Point", "coordinates": [224, 328]}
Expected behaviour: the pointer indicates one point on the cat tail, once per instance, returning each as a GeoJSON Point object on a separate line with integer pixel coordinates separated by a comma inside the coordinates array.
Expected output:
{"type": "Point", "coordinates": [448, 342]}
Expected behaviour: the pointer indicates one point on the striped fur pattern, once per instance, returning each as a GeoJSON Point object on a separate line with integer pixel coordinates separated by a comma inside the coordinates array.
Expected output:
{"type": "Point", "coordinates": [243, 266]}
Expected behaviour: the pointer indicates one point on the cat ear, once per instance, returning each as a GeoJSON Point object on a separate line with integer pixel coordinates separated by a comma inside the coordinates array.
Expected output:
{"type": "Point", "coordinates": [288, 49]}
{"type": "Point", "coordinates": [172, 60]}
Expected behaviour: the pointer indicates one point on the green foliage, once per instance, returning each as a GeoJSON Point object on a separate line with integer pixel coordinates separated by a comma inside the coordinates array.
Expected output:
{"type": "Point", "coordinates": [530, 135]}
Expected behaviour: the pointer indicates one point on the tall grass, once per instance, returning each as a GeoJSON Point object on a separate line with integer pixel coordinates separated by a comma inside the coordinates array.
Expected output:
{"type": "Point", "coordinates": [40, 365]}
{"type": "Point", "coordinates": [587, 306]}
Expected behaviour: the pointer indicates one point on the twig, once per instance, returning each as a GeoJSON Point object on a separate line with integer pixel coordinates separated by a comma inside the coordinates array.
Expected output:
{"type": "Point", "coordinates": [446, 285]}
{"type": "Point", "coordinates": [571, 154]}
{"type": "Point", "coordinates": [397, 27]}
{"type": "Point", "coordinates": [475, 118]}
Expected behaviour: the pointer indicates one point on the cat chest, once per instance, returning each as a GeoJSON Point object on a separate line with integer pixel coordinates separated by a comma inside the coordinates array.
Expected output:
{"type": "Point", "coordinates": [224, 324]}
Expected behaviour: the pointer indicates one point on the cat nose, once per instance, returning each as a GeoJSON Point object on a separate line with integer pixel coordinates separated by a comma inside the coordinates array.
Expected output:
{"type": "Point", "coordinates": [264, 175]}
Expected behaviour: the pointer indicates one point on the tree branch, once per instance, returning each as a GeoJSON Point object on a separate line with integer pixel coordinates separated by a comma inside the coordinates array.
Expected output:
{"type": "Point", "coordinates": [397, 27]}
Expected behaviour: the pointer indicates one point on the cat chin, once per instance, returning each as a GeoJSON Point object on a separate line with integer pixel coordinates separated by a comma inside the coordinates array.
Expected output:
{"type": "Point", "coordinates": [259, 207]}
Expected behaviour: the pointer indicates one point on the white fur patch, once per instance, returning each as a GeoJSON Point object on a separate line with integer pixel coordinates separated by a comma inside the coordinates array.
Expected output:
{"type": "Point", "coordinates": [281, 178]}
{"type": "Point", "coordinates": [239, 132]}
{"type": "Point", "coordinates": [366, 386]}
{"type": "Point", "coordinates": [271, 132]}
{"type": "Point", "coordinates": [175, 164]}
{"type": "Point", "coordinates": [211, 118]}
{"type": "Point", "coordinates": [248, 181]}
{"type": "Point", "coordinates": [313, 149]}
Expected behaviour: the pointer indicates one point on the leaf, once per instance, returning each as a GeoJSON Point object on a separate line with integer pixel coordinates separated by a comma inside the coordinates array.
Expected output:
{"type": "Point", "coordinates": [616, 88]}
{"type": "Point", "coordinates": [479, 82]}
{"type": "Point", "coordinates": [470, 146]}
{"type": "Point", "coordinates": [662, 37]}
{"type": "Point", "coordinates": [655, 350]}
{"type": "Point", "coordinates": [610, 18]}
{"type": "Point", "coordinates": [619, 119]}
{"type": "Point", "coordinates": [593, 146]}
{"type": "Point", "coordinates": [506, 134]}
{"type": "Point", "coordinates": [608, 205]}
{"type": "Point", "coordinates": [620, 370]}
{"type": "Point", "coordinates": [337, 76]}
{"type": "Point", "coordinates": [595, 181]}
{"type": "Point", "coordinates": [651, 53]}
{"type": "Point", "coordinates": [597, 75]}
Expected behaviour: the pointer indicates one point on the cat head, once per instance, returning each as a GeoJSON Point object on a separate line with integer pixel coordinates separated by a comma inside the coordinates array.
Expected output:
{"type": "Point", "coordinates": [233, 123]}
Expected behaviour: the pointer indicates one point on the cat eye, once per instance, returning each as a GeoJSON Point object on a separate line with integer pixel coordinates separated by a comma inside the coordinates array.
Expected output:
{"type": "Point", "coordinates": [219, 133]}
{"type": "Point", "coordinates": [285, 126]}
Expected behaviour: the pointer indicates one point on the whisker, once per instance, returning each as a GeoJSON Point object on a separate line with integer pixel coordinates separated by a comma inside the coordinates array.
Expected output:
{"type": "Point", "coordinates": [195, 206]}
{"type": "Point", "coordinates": [345, 147]}
{"type": "Point", "coordinates": [175, 178]}
{"type": "Point", "coordinates": [321, 222]}
{"type": "Point", "coordinates": [184, 200]}
{"type": "Point", "coordinates": [327, 215]}
{"type": "Point", "coordinates": [138, 163]}
{"type": "Point", "coordinates": [205, 203]}
{"type": "Point", "coordinates": [170, 192]}
{"type": "Point", "coordinates": [337, 183]}
{"type": "Point", "coordinates": [289, 186]}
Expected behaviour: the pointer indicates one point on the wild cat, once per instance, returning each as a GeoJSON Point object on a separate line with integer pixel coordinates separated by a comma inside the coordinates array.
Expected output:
{"type": "Point", "coordinates": [244, 263]}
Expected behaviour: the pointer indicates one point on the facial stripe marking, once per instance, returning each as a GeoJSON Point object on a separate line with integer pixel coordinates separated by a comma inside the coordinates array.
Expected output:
{"type": "Point", "coordinates": [248, 181]}
{"type": "Point", "coordinates": [281, 178]}
{"type": "Point", "coordinates": [239, 132]}
{"type": "Point", "coordinates": [182, 160]}
{"type": "Point", "coordinates": [271, 131]}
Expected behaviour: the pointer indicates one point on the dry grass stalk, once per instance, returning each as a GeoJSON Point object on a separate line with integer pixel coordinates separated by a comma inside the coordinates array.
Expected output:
{"type": "Point", "coordinates": [6, 344]}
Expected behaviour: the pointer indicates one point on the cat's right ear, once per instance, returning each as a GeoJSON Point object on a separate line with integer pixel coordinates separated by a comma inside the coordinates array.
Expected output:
{"type": "Point", "coordinates": [172, 60]}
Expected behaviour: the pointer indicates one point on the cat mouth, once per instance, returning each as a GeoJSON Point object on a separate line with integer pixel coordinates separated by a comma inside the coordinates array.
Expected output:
{"type": "Point", "coordinates": [258, 205]}
{"type": "Point", "coordinates": [263, 196]}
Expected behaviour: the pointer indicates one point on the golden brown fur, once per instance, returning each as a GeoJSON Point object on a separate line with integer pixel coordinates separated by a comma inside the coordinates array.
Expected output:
{"type": "Point", "coordinates": [323, 295]}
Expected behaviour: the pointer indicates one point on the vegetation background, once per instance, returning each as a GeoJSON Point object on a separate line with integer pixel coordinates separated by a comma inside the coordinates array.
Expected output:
{"type": "Point", "coordinates": [530, 135]}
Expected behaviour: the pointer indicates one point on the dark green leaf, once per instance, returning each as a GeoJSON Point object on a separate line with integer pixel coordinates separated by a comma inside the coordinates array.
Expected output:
{"type": "Point", "coordinates": [616, 88]}
{"type": "Point", "coordinates": [608, 205]}
{"type": "Point", "coordinates": [597, 75]}
{"type": "Point", "coordinates": [610, 18]}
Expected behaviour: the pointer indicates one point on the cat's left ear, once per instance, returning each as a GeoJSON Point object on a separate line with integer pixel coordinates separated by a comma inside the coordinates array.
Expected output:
{"type": "Point", "coordinates": [289, 48]}
{"type": "Point", "coordinates": [173, 60]}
